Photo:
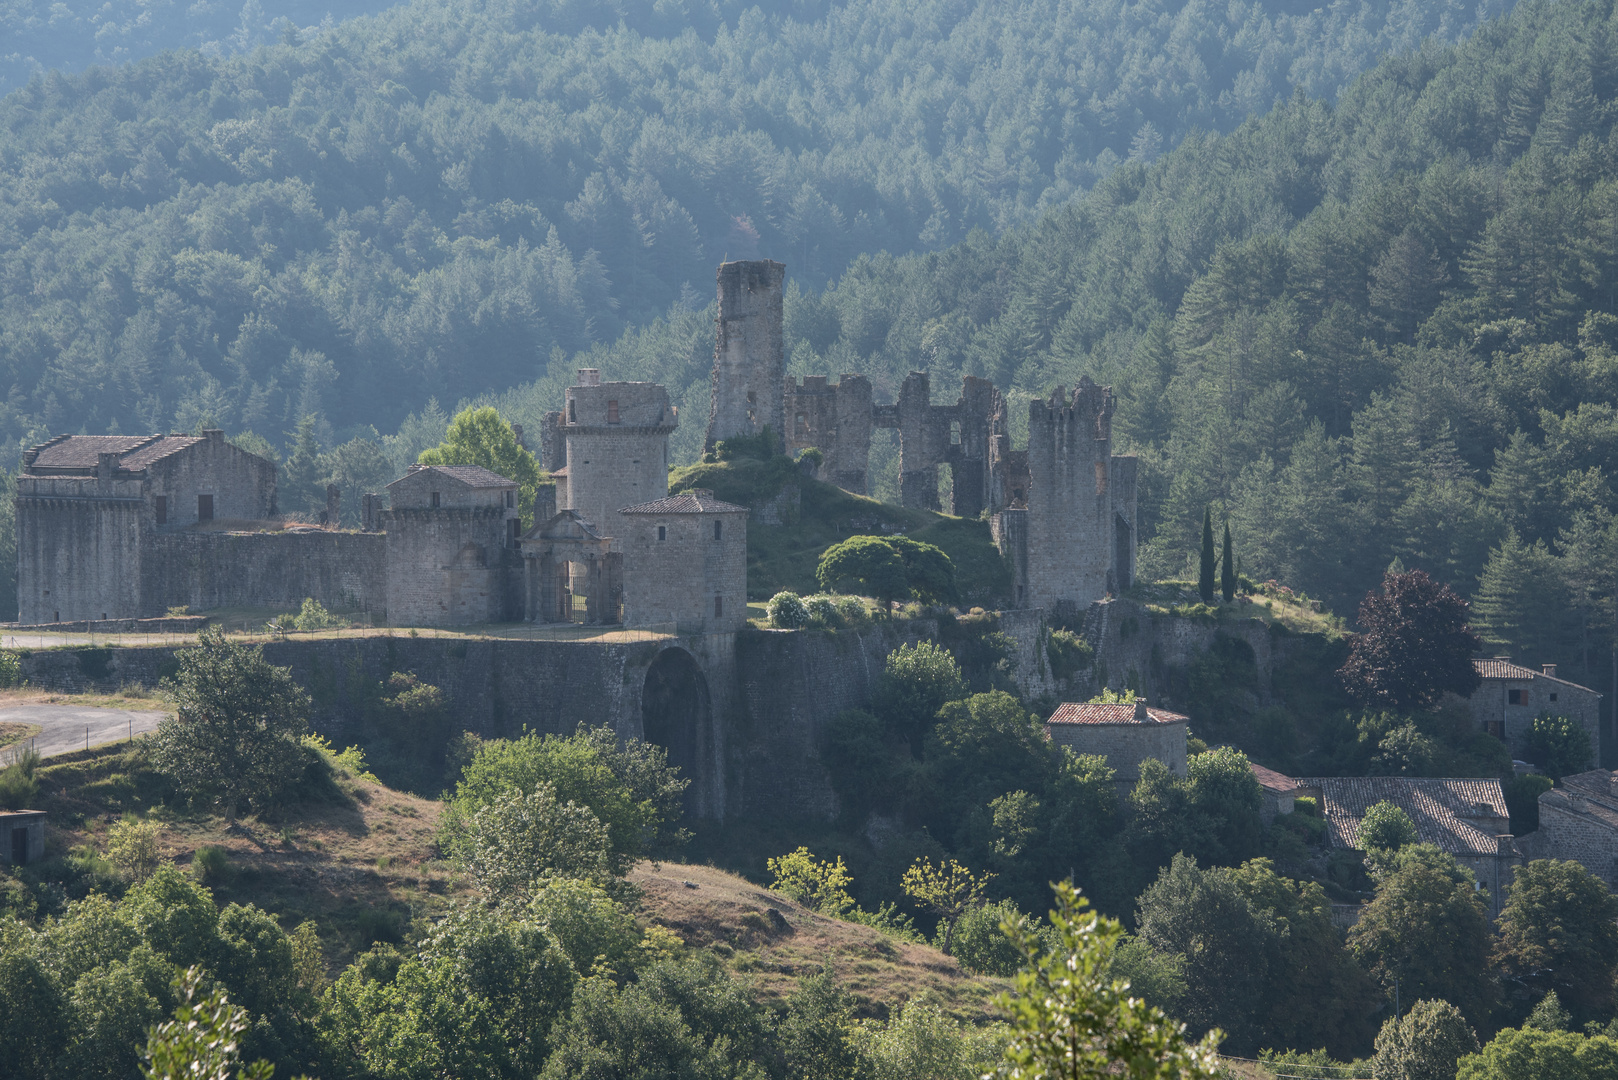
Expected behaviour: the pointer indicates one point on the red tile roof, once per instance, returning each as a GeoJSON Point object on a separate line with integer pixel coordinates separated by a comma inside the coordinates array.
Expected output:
{"type": "Point", "coordinates": [1084, 712]}
{"type": "Point", "coordinates": [471, 475]}
{"type": "Point", "coordinates": [1446, 812]}
{"type": "Point", "coordinates": [695, 501]}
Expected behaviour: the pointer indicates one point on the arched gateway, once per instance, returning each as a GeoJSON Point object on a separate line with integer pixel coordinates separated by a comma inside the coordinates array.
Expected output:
{"type": "Point", "coordinates": [677, 714]}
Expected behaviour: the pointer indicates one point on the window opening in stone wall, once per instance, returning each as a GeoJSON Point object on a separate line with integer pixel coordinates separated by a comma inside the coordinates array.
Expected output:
{"type": "Point", "coordinates": [434, 500]}
{"type": "Point", "coordinates": [718, 606]}
{"type": "Point", "coordinates": [1513, 697]}
{"type": "Point", "coordinates": [752, 400]}
{"type": "Point", "coordinates": [1101, 478]}
{"type": "Point", "coordinates": [511, 499]}
{"type": "Point", "coordinates": [718, 530]}
{"type": "Point", "coordinates": [1553, 697]}
{"type": "Point", "coordinates": [513, 531]}
{"type": "Point", "coordinates": [162, 508]}
{"type": "Point", "coordinates": [955, 433]}
{"type": "Point", "coordinates": [572, 413]}
{"type": "Point", "coordinates": [662, 532]}
{"type": "Point", "coordinates": [612, 410]}
{"type": "Point", "coordinates": [204, 507]}
{"type": "Point", "coordinates": [801, 425]}
{"type": "Point", "coordinates": [1497, 728]}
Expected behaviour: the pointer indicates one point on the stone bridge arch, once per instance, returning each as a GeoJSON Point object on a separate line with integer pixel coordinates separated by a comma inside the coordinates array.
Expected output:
{"type": "Point", "coordinates": [679, 712]}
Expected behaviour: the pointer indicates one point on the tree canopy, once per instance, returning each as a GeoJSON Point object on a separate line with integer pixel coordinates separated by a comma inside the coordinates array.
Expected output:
{"type": "Point", "coordinates": [1414, 644]}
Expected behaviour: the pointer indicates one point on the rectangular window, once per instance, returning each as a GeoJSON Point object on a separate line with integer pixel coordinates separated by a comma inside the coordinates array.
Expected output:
{"type": "Point", "coordinates": [1497, 728]}
{"type": "Point", "coordinates": [612, 410]}
{"type": "Point", "coordinates": [204, 507]}
{"type": "Point", "coordinates": [572, 413]}
{"type": "Point", "coordinates": [718, 606]}
{"type": "Point", "coordinates": [1514, 697]}
{"type": "Point", "coordinates": [662, 532]}
{"type": "Point", "coordinates": [162, 507]}
{"type": "Point", "coordinates": [718, 530]}
{"type": "Point", "coordinates": [511, 500]}
{"type": "Point", "coordinates": [1553, 697]}
{"type": "Point", "coordinates": [513, 532]}
{"type": "Point", "coordinates": [435, 500]}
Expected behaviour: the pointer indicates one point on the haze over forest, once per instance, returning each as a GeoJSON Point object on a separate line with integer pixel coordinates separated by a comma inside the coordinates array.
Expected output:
{"type": "Point", "coordinates": [1367, 319]}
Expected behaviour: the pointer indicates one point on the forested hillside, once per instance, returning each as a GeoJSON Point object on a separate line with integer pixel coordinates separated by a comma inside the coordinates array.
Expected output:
{"type": "Point", "coordinates": [1382, 329]}
{"type": "Point", "coordinates": [433, 200]}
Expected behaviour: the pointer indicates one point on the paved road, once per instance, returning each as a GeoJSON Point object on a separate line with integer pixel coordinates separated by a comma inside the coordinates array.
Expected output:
{"type": "Point", "coordinates": [65, 726]}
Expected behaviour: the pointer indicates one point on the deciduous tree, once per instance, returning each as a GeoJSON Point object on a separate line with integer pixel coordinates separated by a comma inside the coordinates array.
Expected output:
{"type": "Point", "coordinates": [1559, 932]}
{"type": "Point", "coordinates": [1414, 645]}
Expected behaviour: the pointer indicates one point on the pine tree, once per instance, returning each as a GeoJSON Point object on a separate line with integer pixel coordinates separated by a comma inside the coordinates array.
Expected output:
{"type": "Point", "coordinates": [1227, 570]}
{"type": "Point", "coordinates": [300, 488]}
{"type": "Point", "coordinates": [1205, 580]}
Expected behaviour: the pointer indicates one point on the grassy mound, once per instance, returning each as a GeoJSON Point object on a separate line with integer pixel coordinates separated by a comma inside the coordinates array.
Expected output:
{"type": "Point", "coordinates": [785, 556]}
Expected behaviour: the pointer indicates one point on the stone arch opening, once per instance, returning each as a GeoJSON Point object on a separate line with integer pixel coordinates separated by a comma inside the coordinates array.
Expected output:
{"type": "Point", "coordinates": [674, 713]}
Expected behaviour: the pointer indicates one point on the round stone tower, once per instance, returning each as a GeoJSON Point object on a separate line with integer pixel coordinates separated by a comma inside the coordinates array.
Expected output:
{"type": "Point", "coordinates": [617, 447]}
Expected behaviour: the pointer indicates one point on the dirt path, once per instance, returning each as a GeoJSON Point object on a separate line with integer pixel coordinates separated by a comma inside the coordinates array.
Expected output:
{"type": "Point", "coordinates": [72, 727]}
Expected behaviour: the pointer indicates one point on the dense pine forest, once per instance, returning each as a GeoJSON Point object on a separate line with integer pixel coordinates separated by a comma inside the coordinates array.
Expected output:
{"type": "Point", "coordinates": [432, 201]}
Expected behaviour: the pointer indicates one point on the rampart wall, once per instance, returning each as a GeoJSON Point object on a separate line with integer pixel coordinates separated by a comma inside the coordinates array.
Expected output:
{"type": "Point", "coordinates": [204, 570]}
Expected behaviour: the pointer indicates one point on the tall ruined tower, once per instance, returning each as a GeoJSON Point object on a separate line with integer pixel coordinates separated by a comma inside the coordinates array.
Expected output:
{"type": "Point", "coordinates": [616, 439]}
{"type": "Point", "coordinates": [1075, 540]}
{"type": "Point", "coordinates": [749, 363]}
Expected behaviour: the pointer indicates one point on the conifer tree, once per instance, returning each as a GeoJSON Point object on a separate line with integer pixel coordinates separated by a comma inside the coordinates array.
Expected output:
{"type": "Point", "coordinates": [1227, 570]}
{"type": "Point", "coordinates": [1205, 579]}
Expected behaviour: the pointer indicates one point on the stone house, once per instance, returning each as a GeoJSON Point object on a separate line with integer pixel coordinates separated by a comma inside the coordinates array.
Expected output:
{"type": "Point", "coordinates": [1278, 792]}
{"type": "Point", "coordinates": [1512, 696]}
{"type": "Point", "coordinates": [1465, 818]}
{"type": "Point", "coordinates": [22, 836]}
{"type": "Point", "coordinates": [452, 547]}
{"type": "Point", "coordinates": [685, 563]}
{"type": "Point", "coordinates": [1578, 820]}
{"type": "Point", "coordinates": [1124, 734]}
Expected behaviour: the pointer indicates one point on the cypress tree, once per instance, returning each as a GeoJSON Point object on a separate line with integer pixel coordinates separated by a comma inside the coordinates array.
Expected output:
{"type": "Point", "coordinates": [1227, 570]}
{"type": "Point", "coordinates": [1205, 579]}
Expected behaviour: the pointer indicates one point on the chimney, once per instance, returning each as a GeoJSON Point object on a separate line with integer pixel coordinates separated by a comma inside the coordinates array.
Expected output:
{"type": "Point", "coordinates": [214, 434]}
{"type": "Point", "coordinates": [1550, 669]}
{"type": "Point", "coordinates": [106, 465]}
{"type": "Point", "coordinates": [589, 376]}
{"type": "Point", "coordinates": [1141, 715]}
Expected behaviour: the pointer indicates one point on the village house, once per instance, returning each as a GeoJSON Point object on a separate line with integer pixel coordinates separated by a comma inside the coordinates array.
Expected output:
{"type": "Point", "coordinates": [1578, 821]}
{"type": "Point", "coordinates": [1512, 696]}
{"type": "Point", "coordinates": [1125, 734]}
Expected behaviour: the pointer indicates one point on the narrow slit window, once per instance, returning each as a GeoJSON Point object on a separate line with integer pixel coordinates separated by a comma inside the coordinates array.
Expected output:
{"type": "Point", "coordinates": [572, 413]}
{"type": "Point", "coordinates": [612, 410]}
{"type": "Point", "coordinates": [719, 530]}
{"type": "Point", "coordinates": [204, 507]}
{"type": "Point", "coordinates": [435, 500]}
{"type": "Point", "coordinates": [662, 532]}
{"type": "Point", "coordinates": [161, 506]}
{"type": "Point", "coordinates": [718, 606]}
{"type": "Point", "coordinates": [511, 499]}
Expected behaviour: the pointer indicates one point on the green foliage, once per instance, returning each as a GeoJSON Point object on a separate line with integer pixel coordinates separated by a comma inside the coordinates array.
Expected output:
{"type": "Point", "coordinates": [1558, 933]}
{"type": "Point", "coordinates": [132, 847]}
{"type": "Point", "coordinates": [33, 1024]}
{"type": "Point", "coordinates": [1385, 830]}
{"type": "Point", "coordinates": [233, 738]}
{"type": "Point", "coordinates": [516, 841]}
{"type": "Point", "coordinates": [1071, 1020]}
{"type": "Point", "coordinates": [1205, 569]}
{"type": "Point", "coordinates": [819, 886]}
{"type": "Point", "coordinates": [980, 944]}
{"type": "Point", "coordinates": [921, 1041]}
{"type": "Point", "coordinates": [1414, 647]}
{"type": "Point", "coordinates": [1068, 653]}
{"type": "Point", "coordinates": [949, 890]}
{"type": "Point", "coordinates": [1529, 1054]}
{"type": "Point", "coordinates": [202, 1040]}
{"type": "Point", "coordinates": [763, 446]}
{"type": "Point", "coordinates": [1549, 1015]}
{"type": "Point", "coordinates": [814, 1033]}
{"type": "Point", "coordinates": [10, 668]}
{"type": "Point", "coordinates": [1426, 928]}
{"type": "Point", "coordinates": [889, 568]}
{"type": "Point", "coordinates": [1424, 1043]}
{"type": "Point", "coordinates": [1227, 569]}
{"type": "Point", "coordinates": [1559, 745]}
{"type": "Point", "coordinates": [481, 436]}
{"type": "Point", "coordinates": [18, 786]}
{"type": "Point", "coordinates": [630, 788]}
{"type": "Point", "coordinates": [916, 681]}
{"type": "Point", "coordinates": [312, 616]}
{"type": "Point", "coordinates": [787, 611]}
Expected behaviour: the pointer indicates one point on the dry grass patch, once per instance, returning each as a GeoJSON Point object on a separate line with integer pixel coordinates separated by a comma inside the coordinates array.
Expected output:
{"type": "Point", "coordinates": [774, 942]}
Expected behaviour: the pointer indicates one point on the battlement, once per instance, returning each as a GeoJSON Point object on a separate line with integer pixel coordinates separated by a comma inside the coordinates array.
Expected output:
{"type": "Point", "coordinates": [618, 406]}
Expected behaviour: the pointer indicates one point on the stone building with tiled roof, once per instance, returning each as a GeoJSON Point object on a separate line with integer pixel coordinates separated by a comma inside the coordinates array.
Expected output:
{"type": "Point", "coordinates": [685, 563]}
{"type": "Point", "coordinates": [1465, 818]}
{"type": "Point", "coordinates": [1511, 696]}
{"type": "Point", "coordinates": [1124, 734]}
{"type": "Point", "coordinates": [1578, 820]}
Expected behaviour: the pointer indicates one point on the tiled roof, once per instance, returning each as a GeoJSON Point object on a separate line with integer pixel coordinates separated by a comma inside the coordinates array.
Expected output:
{"type": "Point", "coordinates": [1505, 669]}
{"type": "Point", "coordinates": [695, 501]}
{"type": "Point", "coordinates": [1578, 801]}
{"type": "Point", "coordinates": [1445, 812]}
{"type": "Point", "coordinates": [1084, 712]}
{"type": "Point", "coordinates": [135, 452]}
{"type": "Point", "coordinates": [1271, 780]}
{"type": "Point", "coordinates": [471, 475]}
{"type": "Point", "coordinates": [1598, 782]}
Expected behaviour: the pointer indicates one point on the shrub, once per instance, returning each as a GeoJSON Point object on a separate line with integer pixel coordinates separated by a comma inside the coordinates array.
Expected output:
{"type": "Point", "coordinates": [10, 668]}
{"type": "Point", "coordinates": [313, 616]}
{"type": "Point", "coordinates": [1385, 829]}
{"type": "Point", "coordinates": [18, 788]}
{"type": "Point", "coordinates": [1425, 1043]}
{"type": "Point", "coordinates": [1068, 653]}
{"type": "Point", "coordinates": [787, 611]}
{"type": "Point", "coordinates": [210, 864]}
{"type": "Point", "coordinates": [853, 611]}
{"type": "Point", "coordinates": [132, 848]}
{"type": "Point", "coordinates": [820, 886]}
{"type": "Point", "coordinates": [824, 610]}
{"type": "Point", "coordinates": [982, 946]}
{"type": "Point", "coordinates": [1559, 745]}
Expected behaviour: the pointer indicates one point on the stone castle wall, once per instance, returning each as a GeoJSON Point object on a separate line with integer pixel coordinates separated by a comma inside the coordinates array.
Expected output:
{"type": "Point", "coordinates": [749, 372]}
{"type": "Point", "coordinates": [448, 567]}
{"type": "Point", "coordinates": [203, 570]}
{"type": "Point", "coordinates": [79, 549]}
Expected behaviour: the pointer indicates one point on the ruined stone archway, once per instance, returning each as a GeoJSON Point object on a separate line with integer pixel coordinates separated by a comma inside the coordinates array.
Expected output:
{"type": "Point", "coordinates": [676, 713]}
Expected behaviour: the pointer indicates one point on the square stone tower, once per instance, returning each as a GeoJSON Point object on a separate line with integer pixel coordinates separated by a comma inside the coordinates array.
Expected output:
{"type": "Point", "coordinates": [749, 363]}
{"type": "Point", "coordinates": [685, 563]}
{"type": "Point", "coordinates": [617, 448]}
